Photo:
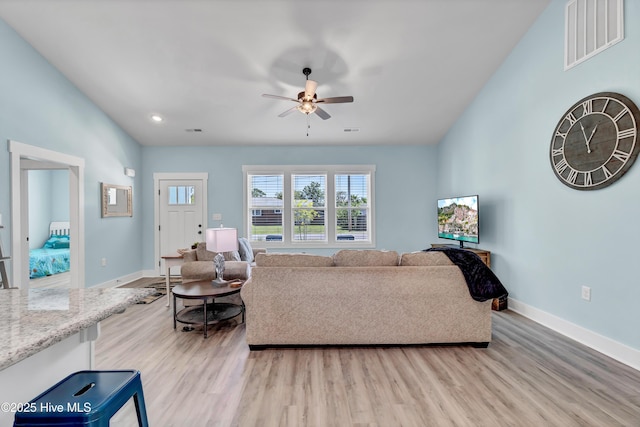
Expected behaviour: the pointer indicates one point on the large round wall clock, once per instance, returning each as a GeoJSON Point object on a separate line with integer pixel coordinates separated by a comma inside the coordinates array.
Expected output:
{"type": "Point", "coordinates": [596, 141]}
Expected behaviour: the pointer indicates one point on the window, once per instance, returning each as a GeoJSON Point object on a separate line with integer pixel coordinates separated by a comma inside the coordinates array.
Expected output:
{"type": "Point", "coordinates": [182, 194]}
{"type": "Point", "coordinates": [311, 206]}
{"type": "Point", "coordinates": [352, 206]}
{"type": "Point", "coordinates": [308, 207]}
{"type": "Point", "coordinates": [265, 196]}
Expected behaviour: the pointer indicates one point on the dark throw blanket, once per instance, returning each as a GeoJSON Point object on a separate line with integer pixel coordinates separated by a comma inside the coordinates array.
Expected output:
{"type": "Point", "coordinates": [482, 282]}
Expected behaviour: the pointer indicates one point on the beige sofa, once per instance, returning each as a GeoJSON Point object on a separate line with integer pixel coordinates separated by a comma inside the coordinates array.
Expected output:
{"type": "Point", "coordinates": [198, 263]}
{"type": "Point", "coordinates": [361, 298]}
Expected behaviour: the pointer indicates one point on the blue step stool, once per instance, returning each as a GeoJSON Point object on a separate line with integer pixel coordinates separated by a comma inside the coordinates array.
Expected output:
{"type": "Point", "coordinates": [85, 398]}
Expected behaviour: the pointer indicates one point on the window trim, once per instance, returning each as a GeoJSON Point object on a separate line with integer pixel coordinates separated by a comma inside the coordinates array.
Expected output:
{"type": "Point", "coordinates": [330, 171]}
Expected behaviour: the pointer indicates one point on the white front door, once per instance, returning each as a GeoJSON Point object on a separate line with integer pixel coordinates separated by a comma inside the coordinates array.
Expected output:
{"type": "Point", "coordinates": [182, 214]}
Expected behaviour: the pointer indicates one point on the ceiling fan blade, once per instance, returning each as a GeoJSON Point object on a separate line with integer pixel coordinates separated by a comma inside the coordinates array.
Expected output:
{"type": "Point", "coordinates": [336, 99]}
{"type": "Point", "coordinates": [310, 88]}
{"type": "Point", "coordinates": [289, 111]}
{"type": "Point", "coordinates": [323, 114]}
{"type": "Point", "coordinates": [279, 97]}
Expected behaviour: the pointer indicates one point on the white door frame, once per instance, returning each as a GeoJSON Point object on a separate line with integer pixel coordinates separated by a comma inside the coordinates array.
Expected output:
{"type": "Point", "coordinates": [25, 157]}
{"type": "Point", "coordinates": [161, 176]}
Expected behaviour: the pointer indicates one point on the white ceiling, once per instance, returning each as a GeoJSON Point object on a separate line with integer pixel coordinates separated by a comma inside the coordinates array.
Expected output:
{"type": "Point", "coordinates": [412, 66]}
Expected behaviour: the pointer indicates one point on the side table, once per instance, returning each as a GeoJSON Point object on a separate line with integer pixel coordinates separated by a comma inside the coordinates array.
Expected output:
{"type": "Point", "coordinates": [171, 260]}
{"type": "Point", "coordinates": [498, 304]}
{"type": "Point", "coordinates": [485, 256]}
{"type": "Point", "coordinates": [207, 313]}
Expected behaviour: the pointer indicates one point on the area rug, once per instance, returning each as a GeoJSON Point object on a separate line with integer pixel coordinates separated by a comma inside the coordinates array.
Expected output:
{"type": "Point", "coordinates": [159, 286]}
{"type": "Point", "coordinates": [161, 291]}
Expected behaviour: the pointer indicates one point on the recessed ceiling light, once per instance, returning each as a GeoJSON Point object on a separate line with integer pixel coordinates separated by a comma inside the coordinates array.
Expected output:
{"type": "Point", "coordinates": [156, 118]}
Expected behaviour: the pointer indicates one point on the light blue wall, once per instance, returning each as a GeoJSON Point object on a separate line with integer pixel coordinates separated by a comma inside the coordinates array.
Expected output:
{"type": "Point", "coordinates": [39, 207]}
{"type": "Point", "coordinates": [405, 184]}
{"type": "Point", "coordinates": [48, 201]}
{"type": "Point", "coordinates": [548, 240]}
{"type": "Point", "coordinates": [60, 195]}
{"type": "Point", "coordinates": [40, 107]}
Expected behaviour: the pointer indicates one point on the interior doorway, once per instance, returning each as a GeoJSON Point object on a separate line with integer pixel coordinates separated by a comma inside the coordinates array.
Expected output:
{"type": "Point", "coordinates": [49, 265]}
{"type": "Point", "coordinates": [25, 158]}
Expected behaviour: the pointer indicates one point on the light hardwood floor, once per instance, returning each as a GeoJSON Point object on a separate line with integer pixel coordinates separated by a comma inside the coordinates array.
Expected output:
{"type": "Point", "coordinates": [57, 281]}
{"type": "Point", "coordinates": [528, 376]}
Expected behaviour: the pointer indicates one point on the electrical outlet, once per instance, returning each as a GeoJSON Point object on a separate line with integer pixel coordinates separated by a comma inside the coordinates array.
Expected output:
{"type": "Point", "coordinates": [217, 217]}
{"type": "Point", "coordinates": [586, 293]}
{"type": "Point", "coordinates": [104, 262]}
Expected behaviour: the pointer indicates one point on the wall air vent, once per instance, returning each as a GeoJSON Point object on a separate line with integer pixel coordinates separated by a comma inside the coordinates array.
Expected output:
{"type": "Point", "coordinates": [591, 26]}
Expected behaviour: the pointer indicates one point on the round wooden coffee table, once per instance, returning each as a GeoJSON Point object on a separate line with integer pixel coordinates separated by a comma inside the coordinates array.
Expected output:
{"type": "Point", "coordinates": [207, 313]}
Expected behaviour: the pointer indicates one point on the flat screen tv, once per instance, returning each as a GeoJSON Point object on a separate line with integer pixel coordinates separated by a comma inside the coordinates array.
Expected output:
{"type": "Point", "coordinates": [458, 219]}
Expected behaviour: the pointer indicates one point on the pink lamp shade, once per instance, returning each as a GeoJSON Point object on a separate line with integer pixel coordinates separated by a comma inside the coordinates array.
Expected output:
{"type": "Point", "coordinates": [221, 239]}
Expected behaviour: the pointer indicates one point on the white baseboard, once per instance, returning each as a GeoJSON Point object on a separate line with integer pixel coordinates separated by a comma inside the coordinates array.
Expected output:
{"type": "Point", "coordinates": [150, 273]}
{"type": "Point", "coordinates": [120, 280]}
{"type": "Point", "coordinates": [618, 351]}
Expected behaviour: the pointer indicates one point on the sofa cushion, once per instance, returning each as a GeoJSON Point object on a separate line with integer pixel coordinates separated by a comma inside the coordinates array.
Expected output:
{"type": "Point", "coordinates": [189, 255]}
{"type": "Point", "coordinates": [292, 260]}
{"type": "Point", "coordinates": [232, 256]}
{"type": "Point", "coordinates": [365, 258]}
{"type": "Point", "coordinates": [425, 259]}
{"type": "Point", "coordinates": [203, 270]}
{"type": "Point", "coordinates": [245, 250]}
{"type": "Point", "coordinates": [203, 254]}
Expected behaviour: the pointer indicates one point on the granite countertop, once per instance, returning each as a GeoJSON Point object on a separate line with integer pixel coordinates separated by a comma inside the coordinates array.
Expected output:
{"type": "Point", "coordinates": [32, 320]}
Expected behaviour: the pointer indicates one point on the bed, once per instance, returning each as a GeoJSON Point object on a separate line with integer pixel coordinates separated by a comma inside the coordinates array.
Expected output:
{"type": "Point", "coordinates": [53, 257]}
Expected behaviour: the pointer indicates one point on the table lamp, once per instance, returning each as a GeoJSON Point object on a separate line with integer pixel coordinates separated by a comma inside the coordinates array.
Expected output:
{"type": "Point", "coordinates": [221, 240]}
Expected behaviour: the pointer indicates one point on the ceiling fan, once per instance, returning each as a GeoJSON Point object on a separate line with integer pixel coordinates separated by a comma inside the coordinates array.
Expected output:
{"type": "Point", "coordinates": [308, 99]}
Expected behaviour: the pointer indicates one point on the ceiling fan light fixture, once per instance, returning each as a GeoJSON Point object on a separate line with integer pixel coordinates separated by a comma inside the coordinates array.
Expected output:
{"type": "Point", "coordinates": [307, 107]}
{"type": "Point", "coordinates": [310, 89]}
{"type": "Point", "coordinates": [308, 98]}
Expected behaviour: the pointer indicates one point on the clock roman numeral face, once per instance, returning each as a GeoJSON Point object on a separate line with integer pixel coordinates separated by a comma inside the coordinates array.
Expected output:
{"type": "Point", "coordinates": [595, 142]}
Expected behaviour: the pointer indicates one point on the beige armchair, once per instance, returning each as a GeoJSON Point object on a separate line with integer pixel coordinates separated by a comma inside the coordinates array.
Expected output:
{"type": "Point", "coordinates": [198, 263]}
